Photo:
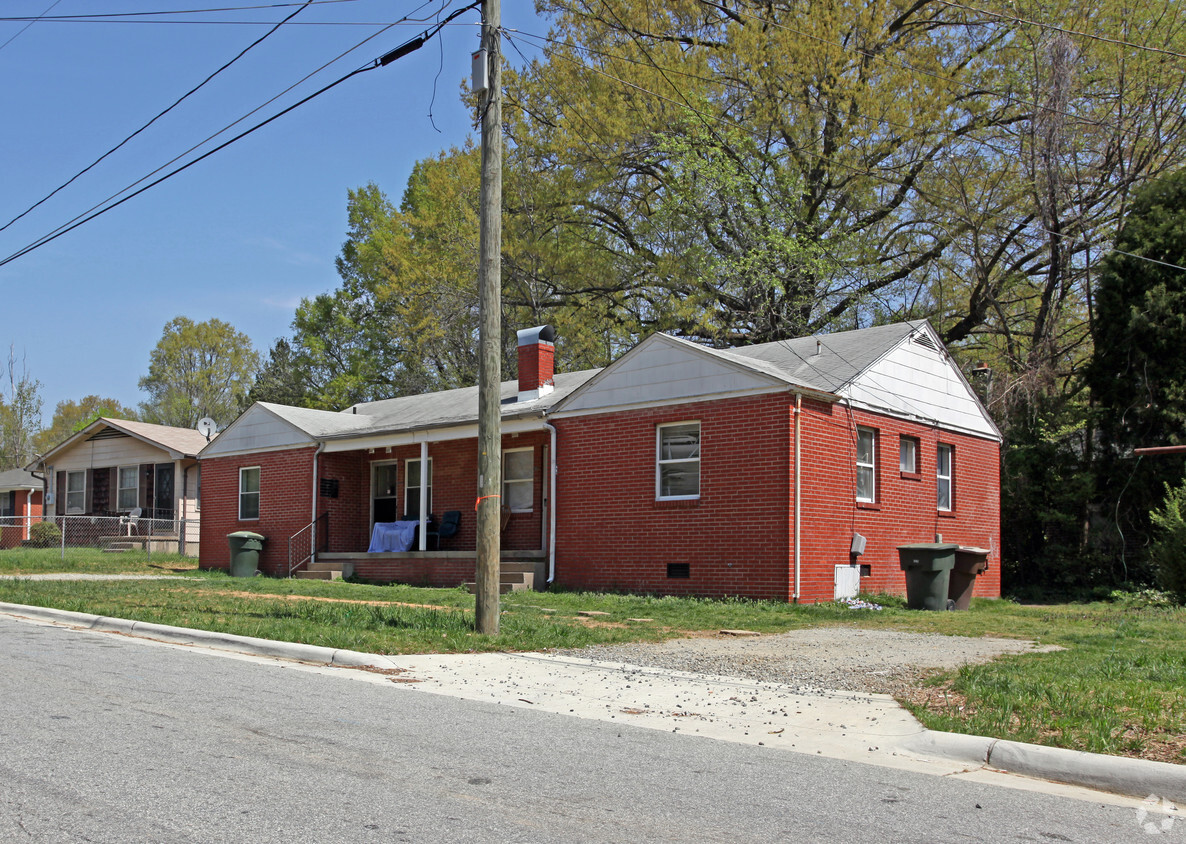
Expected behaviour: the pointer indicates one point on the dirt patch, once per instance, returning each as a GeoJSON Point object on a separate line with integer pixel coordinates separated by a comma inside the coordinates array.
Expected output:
{"type": "Point", "coordinates": [335, 600]}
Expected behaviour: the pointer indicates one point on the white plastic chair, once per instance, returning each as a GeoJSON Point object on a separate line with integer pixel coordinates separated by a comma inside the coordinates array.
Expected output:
{"type": "Point", "coordinates": [131, 519]}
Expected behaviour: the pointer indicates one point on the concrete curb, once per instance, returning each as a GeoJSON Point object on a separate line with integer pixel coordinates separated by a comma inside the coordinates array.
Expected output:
{"type": "Point", "coordinates": [1115, 774]}
{"type": "Point", "coordinates": [205, 638]}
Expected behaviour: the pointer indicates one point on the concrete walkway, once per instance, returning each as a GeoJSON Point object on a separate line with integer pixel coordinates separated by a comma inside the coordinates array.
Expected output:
{"type": "Point", "coordinates": [867, 728]}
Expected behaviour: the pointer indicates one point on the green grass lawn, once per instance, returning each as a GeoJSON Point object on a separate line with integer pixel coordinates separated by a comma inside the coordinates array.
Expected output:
{"type": "Point", "coordinates": [1119, 685]}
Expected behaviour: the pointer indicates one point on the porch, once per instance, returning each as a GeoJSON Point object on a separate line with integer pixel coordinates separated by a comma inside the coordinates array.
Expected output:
{"type": "Point", "coordinates": [519, 570]}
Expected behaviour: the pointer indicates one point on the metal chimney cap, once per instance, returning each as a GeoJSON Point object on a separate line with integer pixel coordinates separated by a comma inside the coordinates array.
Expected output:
{"type": "Point", "coordinates": [539, 334]}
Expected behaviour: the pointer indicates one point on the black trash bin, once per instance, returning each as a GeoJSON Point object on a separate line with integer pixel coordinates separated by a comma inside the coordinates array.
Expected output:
{"type": "Point", "coordinates": [245, 548]}
{"type": "Point", "coordinates": [969, 562]}
{"type": "Point", "coordinates": [928, 568]}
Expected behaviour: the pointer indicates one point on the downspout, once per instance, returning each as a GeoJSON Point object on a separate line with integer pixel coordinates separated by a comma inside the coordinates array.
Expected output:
{"type": "Point", "coordinates": [798, 490]}
{"type": "Point", "coordinates": [313, 525]}
{"type": "Point", "coordinates": [29, 512]}
{"type": "Point", "coordinates": [552, 505]}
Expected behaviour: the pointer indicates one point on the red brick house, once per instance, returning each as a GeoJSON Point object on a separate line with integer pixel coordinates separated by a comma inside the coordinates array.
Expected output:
{"type": "Point", "coordinates": [20, 506]}
{"type": "Point", "coordinates": [678, 469]}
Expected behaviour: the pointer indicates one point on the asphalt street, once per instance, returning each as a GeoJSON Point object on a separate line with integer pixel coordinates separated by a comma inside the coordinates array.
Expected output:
{"type": "Point", "coordinates": [111, 738]}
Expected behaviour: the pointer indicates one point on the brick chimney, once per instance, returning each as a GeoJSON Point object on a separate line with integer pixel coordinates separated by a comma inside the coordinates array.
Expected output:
{"type": "Point", "coordinates": [537, 356]}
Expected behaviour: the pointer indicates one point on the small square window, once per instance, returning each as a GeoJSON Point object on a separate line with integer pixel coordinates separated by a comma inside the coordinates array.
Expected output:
{"type": "Point", "coordinates": [908, 455]}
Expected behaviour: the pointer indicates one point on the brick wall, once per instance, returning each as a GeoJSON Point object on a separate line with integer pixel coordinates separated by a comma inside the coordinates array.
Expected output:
{"type": "Point", "coordinates": [285, 505]}
{"type": "Point", "coordinates": [12, 535]}
{"type": "Point", "coordinates": [737, 538]}
{"type": "Point", "coordinates": [286, 481]}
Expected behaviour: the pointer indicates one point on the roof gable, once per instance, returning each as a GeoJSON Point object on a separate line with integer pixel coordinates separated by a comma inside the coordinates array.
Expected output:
{"type": "Point", "coordinates": [176, 442]}
{"type": "Point", "coordinates": [263, 427]}
{"type": "Point", "coordinates": [663, 369]}
{"type": "Point", "coordinates": [918, 379]}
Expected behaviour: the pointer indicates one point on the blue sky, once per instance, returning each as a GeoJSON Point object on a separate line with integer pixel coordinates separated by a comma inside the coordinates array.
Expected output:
{"type": "Point", "coordinates": [241, 236]}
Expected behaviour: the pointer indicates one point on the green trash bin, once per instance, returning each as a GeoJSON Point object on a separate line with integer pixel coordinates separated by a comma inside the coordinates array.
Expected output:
{"type": "Point", "coordinates": [245, 548]}
{"type": "Point", "coordinates": [928, 570]}
{"type": "Point", "coordinates": [969, 562]}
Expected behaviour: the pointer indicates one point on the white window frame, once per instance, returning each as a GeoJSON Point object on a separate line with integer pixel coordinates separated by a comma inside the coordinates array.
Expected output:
{"type": "Point", "coordinates": [945, 481]}
{"type": "Point", "coordinates": [912, 442]}
{"type": "Point", "coordinates": [869, 467]}
{"type": "Point", "coordinates": [244, 493]}
{"type": "Point", "coordinates": [80, 507]}
{"type": "Point", "coordinates": [120, 489]}
{"type": "Point", "coordinates": [661, 462]}
{"type": "Point", "coordinates": [409, 486]}
{"type": "Point", "coordinates": [529, 481]}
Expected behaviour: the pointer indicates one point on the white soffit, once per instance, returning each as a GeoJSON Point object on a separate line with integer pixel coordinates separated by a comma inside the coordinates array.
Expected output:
{"type": "Point", "coordinates": [661, 370]}
{"type": "Point", "coordinates": [916, 381]}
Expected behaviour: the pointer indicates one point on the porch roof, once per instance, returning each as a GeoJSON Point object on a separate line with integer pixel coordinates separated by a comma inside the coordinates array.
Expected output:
{"type": "Point", "coordinates": [18, 479]}
{"type": "Point", "coordinates": [452, 412]}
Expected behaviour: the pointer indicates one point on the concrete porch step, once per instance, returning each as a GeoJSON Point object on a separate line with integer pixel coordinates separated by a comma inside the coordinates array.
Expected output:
{"type": "Point", "coordinates": [512, 577]}
{"type": "Point", "coordinates": [326, 571]}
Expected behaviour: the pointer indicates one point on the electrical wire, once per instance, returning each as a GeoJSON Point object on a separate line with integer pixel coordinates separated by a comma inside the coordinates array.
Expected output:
{"type": "Point", "coordinates": [158, 116]}
{"type": "Point", "coordinates": [32, 21]}
{"type": "Point", "coordinates": [382, 61]}
{"type": "Point", "coordinates": [1052, 28]}
{"type": "Point", "coordinates": [107, 15]}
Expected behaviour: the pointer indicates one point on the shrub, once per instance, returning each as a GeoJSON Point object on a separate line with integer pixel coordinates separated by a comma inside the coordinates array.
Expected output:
{"type": "Point", "coordinates": [1169, 547]}
{"type": "Point", "coordinates": [44, 535]}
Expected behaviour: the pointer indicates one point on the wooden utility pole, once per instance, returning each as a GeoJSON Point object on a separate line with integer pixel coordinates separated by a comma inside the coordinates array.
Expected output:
{"type": "Point", "coordinates": [490, 331]}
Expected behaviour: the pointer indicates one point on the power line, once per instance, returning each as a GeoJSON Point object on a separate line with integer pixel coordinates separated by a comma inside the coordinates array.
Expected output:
{"type": "Point", "coordinates": [159, 115]}
{"type": "Point", "coordinates": [32, 21]}
{"type": "Point", "coordinates": [108, 15]}
{"type": "Point", "coordinates": [382, 61]}
{"type": "Point", "coordinates": [1051, 27]}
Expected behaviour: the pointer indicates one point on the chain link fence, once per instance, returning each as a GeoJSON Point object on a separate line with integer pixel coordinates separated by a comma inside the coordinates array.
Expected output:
{"type": "Point", "coordinates": [115, 534]}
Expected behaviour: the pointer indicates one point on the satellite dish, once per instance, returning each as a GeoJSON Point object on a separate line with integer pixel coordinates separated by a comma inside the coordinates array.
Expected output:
{"type": "Point", "coordinates": [206, 427]}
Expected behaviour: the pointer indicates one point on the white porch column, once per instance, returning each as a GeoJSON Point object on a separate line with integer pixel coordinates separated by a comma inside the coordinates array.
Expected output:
{"type": "Point", "coordinates": [423, 495]}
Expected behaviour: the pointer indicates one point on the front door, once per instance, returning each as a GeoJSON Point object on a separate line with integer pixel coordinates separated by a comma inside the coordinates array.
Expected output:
{"type": "Point", "coordinates": [384, 492]}
{"type": "Point", "coordinates": [162, 497]}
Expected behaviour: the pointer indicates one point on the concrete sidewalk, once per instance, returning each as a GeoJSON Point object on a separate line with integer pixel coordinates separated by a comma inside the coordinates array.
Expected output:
{"type": "Point", "coordinates": [867, 728]}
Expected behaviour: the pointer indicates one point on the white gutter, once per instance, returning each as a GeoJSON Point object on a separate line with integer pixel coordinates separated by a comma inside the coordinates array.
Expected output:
{"type": "Point", "coordinates": [552, 505]}
{"type": "Point", "coordinates": [798, 490]}
{"type": "Point", "coordinates": [29, 511]}
{"type": "Point", "coordinates": [313, 525]}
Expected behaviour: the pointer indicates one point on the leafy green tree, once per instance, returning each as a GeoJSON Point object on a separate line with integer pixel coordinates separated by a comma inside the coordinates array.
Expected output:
{"type": "Point", "coordinates": [280, 380]}
{"type": "Point", "coordinates": [1138, 371]}
{"type": "Point", "coordinates": [196, 370]}
{"type": "Point", "coordinates": [71, 416]}
{"type": "Point", "coordinates": [20, 413]}
{"type": "Point", "coordinates": [1169, 544]}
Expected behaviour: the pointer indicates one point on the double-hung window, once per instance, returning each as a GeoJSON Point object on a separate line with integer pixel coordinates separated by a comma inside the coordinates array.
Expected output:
{"type": "Point", "coordinates": [412, 488]}
{"type": "Point", "coordinates": [249, 493]}
{"type": "Point", "coordinates": [866, 465]}
{"type": "Point", "coordinates": [126, 498]}
{"type": "Point", "coordinates": [677, 471]}
{"type": "Point", "coordinates": [518, 475]}
{"type": "Point", "coordinates": [76, 492]}
{"type": "Point", "coordinates": [945, 476]}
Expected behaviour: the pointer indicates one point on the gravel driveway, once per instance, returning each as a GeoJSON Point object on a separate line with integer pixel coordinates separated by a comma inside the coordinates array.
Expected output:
{"type": "Point", "coordinates": [841, 658]}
